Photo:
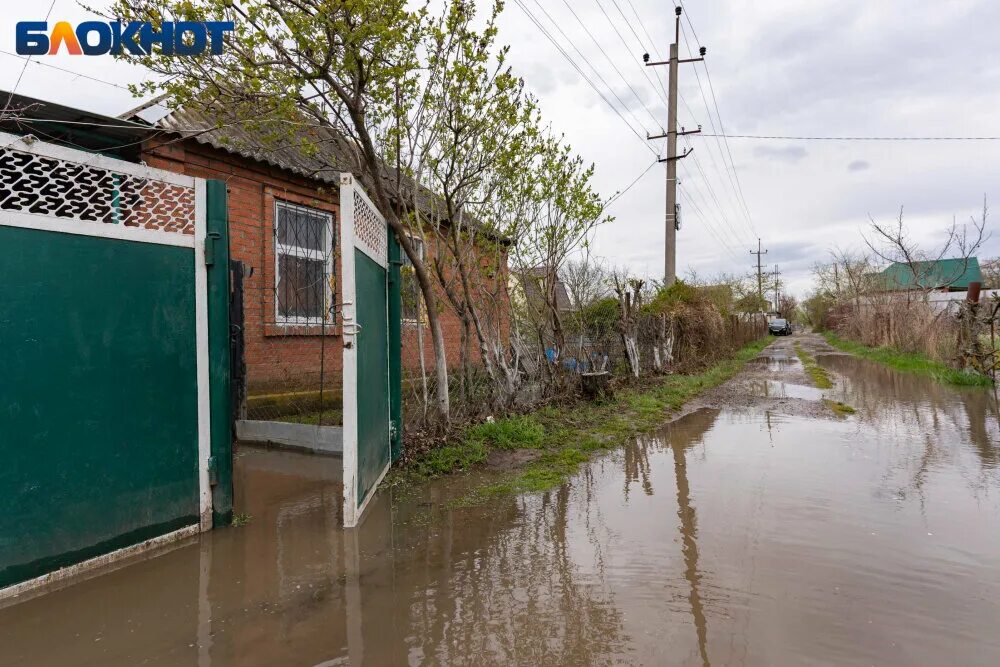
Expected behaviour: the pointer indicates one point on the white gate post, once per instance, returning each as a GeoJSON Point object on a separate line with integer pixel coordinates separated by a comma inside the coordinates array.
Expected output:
{"type": "Point", "coordinates": [350, 373]}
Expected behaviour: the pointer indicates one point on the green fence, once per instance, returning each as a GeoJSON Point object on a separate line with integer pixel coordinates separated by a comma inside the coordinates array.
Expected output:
{"type": "Point", "coordinates": [114, 401]}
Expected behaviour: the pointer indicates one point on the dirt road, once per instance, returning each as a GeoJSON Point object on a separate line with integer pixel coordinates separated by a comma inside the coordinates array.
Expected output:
{"type": "Point", "coordinates": [760, 528]}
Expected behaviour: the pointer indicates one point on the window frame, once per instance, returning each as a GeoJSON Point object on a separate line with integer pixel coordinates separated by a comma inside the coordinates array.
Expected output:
{"type": "Point", "coordinates": [421, 317]}
{"type": "Point", "coordinates": [304, 253]}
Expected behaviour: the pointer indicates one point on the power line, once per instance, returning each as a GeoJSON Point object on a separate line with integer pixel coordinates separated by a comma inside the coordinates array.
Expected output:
{"type": "Point", "coordinates": [710, 227]}
{"type": "Point", "coordinates": [699, 201]}
{"type": "Point", "coordinates": [25, 66]}
{"type": "Point", "coordinates": [711, 191]}
{"type": "Point", "coordinates": [606, 57]}
{"type": "Point", "coordinates": [731, 165]}
{"type": "Point", "coordinates": [638, 178]}
{"type": "Point", "coordinates": [582, 74]}
{"type": "Point", "coordinates": [63, 69]}
{"type": "Point", "coordinates": [712, 195]}
{"type": "Point", "coordinates": [854, 138]}
{"type": "Point", "coordinates": [628, 49]}
{"type": "Point", "coordinates": [592, 67]}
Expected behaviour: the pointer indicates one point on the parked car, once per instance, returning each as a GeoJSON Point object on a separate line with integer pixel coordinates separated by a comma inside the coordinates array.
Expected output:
{"type": "Point", "coordinates": [780, 327]}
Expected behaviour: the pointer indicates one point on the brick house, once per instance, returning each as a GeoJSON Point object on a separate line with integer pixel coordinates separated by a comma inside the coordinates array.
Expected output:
{"type": "Point", "coordinates": [283, 221]}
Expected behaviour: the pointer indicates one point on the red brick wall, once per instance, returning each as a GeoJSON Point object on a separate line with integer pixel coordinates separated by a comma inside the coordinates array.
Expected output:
{"type": "Point", "coordinates": [279, 357]}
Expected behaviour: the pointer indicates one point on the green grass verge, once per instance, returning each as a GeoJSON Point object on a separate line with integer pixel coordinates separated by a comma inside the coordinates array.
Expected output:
{"type": "Point", "coordinates": [818, 374]}
{"type": "Point", "coordinates": [564, 437]}
{"type": "Point", "coordinates": [909, 362]}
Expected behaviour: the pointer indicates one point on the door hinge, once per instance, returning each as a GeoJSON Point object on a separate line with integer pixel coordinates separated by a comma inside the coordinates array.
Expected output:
{"type": "Point", "coordinates": [213, 471]}
{"type": "Point", "coordinates": [210, 240]}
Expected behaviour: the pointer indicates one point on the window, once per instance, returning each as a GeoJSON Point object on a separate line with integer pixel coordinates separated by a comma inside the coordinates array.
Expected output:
{"type": "Point", "coordinates": [410, 296]}
{"type": "Point", "coordinates": [303, 258]}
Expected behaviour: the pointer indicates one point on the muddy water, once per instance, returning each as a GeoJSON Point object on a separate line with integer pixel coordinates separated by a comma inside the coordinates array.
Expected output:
{"type": "Point", "coordinates": [732, 537]}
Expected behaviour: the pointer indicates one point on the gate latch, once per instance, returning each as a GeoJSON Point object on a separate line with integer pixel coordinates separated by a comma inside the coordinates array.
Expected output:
{"type": "Point", "coordinates": [213, 471]}
{"type": "Point", "coordinates": [210, 240]}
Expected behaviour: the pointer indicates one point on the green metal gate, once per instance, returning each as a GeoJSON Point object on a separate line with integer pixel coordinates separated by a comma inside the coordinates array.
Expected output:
{"type": "Point", "coordinates": [113, 359]}
{"type": "Point", "coordinates": [368, 430]}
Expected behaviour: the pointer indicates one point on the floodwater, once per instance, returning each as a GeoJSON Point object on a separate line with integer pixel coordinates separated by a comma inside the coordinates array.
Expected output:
{"type": "Point", "coordinates": [731, 537]}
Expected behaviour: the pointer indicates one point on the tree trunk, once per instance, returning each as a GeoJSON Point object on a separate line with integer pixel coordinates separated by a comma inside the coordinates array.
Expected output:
{"type": "Point", "coordinates": [426, 287]}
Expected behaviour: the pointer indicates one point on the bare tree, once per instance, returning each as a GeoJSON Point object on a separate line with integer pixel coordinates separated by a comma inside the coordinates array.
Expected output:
{"type": "Point", "coordinates": [892, 244]}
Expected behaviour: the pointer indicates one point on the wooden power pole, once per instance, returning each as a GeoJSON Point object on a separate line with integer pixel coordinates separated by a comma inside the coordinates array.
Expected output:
{"type": "Point", "coordinates": [671, 134]}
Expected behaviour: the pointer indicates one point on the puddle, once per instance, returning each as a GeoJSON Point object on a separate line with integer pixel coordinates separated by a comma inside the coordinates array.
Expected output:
{"type": "Point", "coordinates": [781, 389]}
{"type": "Point", "coordinates": [728, 537]}
{"type": "Point", "coordinates": [774, 363]}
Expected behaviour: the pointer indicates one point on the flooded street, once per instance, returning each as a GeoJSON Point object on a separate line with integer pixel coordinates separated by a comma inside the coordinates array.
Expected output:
{"type": "Point", "coordinates": [758, 529]}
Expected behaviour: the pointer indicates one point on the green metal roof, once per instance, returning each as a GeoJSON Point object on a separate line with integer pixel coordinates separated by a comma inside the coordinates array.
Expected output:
{"type": "Point", "coordinates": [953, 274]}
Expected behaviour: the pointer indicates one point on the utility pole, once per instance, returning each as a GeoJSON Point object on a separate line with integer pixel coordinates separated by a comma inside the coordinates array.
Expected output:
{"type": "Point", "coordinates": [760, 273]}
{"type": "Point", "coordinates": [671, 134]}
{"type": "Point", "coordinates": [776, 285]}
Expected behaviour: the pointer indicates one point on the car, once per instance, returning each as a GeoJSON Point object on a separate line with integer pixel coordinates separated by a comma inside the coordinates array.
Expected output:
{"type": "Point", "coordinates": [780, 327]}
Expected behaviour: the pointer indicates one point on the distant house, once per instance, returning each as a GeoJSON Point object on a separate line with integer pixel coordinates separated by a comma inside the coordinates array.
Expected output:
{"type": "Point", "coordinates": [943, 275]}
{"type": "Point", "coordinates": [528, 289]}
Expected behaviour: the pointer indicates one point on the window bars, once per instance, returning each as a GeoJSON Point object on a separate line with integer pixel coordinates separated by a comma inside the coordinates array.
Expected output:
{"type": "Point", "coordinates": [303, 259]}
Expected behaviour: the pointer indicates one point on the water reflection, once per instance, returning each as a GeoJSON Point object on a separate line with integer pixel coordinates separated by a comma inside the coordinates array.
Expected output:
{"type": "Point", "coordinates": [747, 538]}
{"type": "Point", "coordinates": [946, 420]}
{"type": "Point", "coordinates": [681, 439]}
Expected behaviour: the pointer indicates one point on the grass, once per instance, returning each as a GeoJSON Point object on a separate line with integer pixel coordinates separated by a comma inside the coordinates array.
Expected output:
{"type": "Point", "coordinates": [241, 519]}
{"type": "Point", "coordinates": [909, 362]}
{"type": "Point", "coordinates": [840, 409]}
{"type": "Point", "coordinates": [564, 437]}
{"type": "Point", "coordinates": [819, 376]}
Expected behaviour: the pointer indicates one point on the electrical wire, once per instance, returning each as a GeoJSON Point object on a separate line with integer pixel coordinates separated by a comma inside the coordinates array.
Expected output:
{"type": "Point", "coordinates": [582, 74]}
{"type": "Point", "coordinates": [718, 113]}
{"type": "Point", "coordinates": [63, 69]}
{"type": "Point", "coordinates": [855, 138]}
{"type": "Point", "coordinates": [730, 166]}
{"type": "Point", "coordinates": [735, 193]}
{"type": "Point", "coordinates": [620, 194]}
{"type": "Point", "coordinates": [25, 66]}
{"type": "Point", "coordinates": [593, 69]}
{"type": "Point", "coordinates": [696, 199]}
{"type": "Point", "coordinates": [628, 49]}
{"type": "Point", "coordinates": [600, 48]}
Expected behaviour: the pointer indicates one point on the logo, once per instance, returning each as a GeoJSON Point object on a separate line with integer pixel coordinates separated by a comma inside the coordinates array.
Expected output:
{"type": "Point", "coordinates": [97, 38]}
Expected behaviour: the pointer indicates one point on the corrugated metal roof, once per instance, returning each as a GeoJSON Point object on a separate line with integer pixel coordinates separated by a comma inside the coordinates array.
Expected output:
{"type": "Point", "coordinates": [69, 126]}
{"type": "Point", "coordinates": [953, 274]}
{"type": "Point", "coordinates": [312, 151]}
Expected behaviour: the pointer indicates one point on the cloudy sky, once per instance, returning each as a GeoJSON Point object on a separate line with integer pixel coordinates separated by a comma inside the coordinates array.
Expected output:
{"type": "Point", "coordinates": [778, 67]}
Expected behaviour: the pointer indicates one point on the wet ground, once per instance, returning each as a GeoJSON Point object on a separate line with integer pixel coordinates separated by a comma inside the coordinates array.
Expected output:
{"type": "Point", "coordinates": [757, 529]}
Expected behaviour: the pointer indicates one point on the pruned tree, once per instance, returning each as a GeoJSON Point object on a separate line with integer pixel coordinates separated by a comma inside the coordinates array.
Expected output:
{"type": "Point", "coordinates": [629, 292]}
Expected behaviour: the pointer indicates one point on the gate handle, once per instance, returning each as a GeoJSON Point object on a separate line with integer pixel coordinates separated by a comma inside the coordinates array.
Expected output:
{"type": "Point", "coordinates": [355, 332]}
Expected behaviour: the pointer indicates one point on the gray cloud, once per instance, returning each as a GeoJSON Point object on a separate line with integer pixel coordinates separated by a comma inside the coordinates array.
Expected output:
{"type": "Point", "coordinates": [858, 165]}
{"type": "Point", "coordinates": [789, 154]}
